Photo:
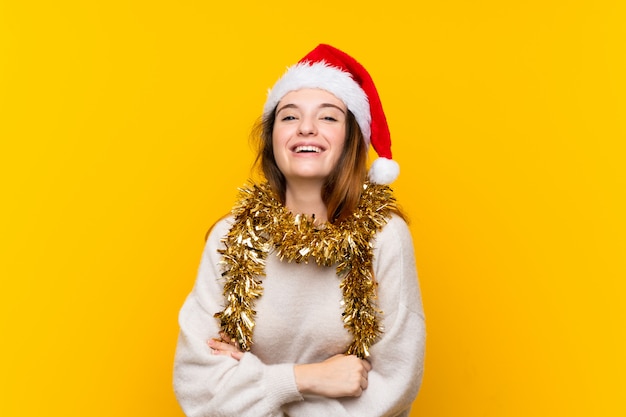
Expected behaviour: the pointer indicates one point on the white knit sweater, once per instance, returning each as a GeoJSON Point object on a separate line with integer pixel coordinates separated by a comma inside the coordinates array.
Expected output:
{"type": "Point", "coordinates": [299, 321]}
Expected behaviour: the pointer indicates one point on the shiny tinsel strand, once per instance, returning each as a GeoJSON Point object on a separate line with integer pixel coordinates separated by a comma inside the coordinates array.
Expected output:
{"type": "Point", "coordinates": [262, 223]}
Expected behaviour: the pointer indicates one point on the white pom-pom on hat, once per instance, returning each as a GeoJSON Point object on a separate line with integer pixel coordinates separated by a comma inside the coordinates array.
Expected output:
{"type": "Point", "coordinates": [335, 71]}
{"type": "Point", "coordinates": [384, 171]}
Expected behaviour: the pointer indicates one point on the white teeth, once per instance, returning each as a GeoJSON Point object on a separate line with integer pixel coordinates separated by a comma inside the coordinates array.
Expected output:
{"type": "Point", "coordinates": [308, 149]}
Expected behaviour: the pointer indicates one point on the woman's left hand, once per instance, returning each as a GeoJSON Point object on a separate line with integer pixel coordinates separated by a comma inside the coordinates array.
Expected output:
{"type": "Point", "coordinates": [225, 346]}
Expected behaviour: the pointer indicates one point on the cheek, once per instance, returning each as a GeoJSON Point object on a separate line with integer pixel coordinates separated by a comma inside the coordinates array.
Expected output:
{"type": "Point", "coordinates": [339, 139]}
{"type": "Point", "coordinates": [278, 149]}
{"type": "Point", "coordinates": [279, 137]}
{"type": "Point", "coordinates": [276, 144]}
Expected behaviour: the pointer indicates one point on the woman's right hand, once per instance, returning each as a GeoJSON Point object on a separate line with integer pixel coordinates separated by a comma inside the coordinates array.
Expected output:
{"type": "Point", "coordinates": [338, 376]}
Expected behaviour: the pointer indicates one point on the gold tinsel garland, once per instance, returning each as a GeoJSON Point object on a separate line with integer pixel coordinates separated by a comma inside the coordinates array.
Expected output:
{"type": "Point", "coordinates": [262, 223]}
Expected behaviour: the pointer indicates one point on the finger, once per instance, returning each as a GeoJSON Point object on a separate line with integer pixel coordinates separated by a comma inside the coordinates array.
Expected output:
{"type": "Point", "coordinates": [367, 365]}
{"type": "Point", "coordinates": [237, 355]}
{"type": "Point", "coordinates": [219, 345]}
{"type": "Point", "coordinates": [226, 338]}
{"type": "Point", "coordinates": [222, 352]}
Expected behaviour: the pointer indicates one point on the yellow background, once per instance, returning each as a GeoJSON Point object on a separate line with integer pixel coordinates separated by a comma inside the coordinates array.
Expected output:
{"type": "Point", "coordinates": [124, 135]}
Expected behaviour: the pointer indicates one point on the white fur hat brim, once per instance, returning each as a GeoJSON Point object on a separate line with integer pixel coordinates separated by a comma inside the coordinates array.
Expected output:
{"type": "Point", "coordinates": [326, 77]}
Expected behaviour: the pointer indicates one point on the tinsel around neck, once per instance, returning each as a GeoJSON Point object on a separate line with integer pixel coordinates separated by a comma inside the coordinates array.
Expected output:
{"type": "Point", "coordinates": [262, 224]}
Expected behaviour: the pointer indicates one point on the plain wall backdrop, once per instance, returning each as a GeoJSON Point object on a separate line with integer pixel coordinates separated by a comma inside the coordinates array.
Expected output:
{"type": "Point", "coordinates": [124, 132]}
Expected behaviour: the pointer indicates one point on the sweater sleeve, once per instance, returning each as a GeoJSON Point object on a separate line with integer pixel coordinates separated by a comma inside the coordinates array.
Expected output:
{"type": "Point", "coordinates": [398, 357]}
{"type": "Point", "coordinates": [215, 385]}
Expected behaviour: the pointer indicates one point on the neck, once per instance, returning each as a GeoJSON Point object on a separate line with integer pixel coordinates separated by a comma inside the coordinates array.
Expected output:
{"type": "Point", "coordinates": [306, 198]}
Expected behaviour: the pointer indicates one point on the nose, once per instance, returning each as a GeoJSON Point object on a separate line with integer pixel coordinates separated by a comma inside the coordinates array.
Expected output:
{"type": "Point", "coordinates": [307, 127]}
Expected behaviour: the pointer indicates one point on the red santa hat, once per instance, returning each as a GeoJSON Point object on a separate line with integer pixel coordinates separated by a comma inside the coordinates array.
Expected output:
{"type": "Point", "coordinates": [330, 69]}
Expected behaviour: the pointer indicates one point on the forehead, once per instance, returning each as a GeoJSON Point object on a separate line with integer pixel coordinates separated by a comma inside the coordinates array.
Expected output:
{"type": "Point", "coordinates": [311, 96]}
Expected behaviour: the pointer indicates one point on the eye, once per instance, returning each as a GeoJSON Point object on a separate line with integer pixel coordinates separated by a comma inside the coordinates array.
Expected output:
{"type": "Point", "coordinates": [288, 118]}
{"type": "Point", "coordinates": [329, 119]}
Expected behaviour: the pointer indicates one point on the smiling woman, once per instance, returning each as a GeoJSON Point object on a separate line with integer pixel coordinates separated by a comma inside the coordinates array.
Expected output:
{"type": "Point", "coordinates": [308, 140]}
{"type": "Point", "coordinates": [307, 299]}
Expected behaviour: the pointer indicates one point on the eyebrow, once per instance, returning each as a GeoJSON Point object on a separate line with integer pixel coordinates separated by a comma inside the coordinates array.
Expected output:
{"type": "Point", "coordinates": [323, 105]}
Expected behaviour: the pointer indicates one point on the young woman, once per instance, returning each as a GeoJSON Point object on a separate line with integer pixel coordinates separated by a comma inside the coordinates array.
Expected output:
{"type": "Point", "coordinates": [307, 301]}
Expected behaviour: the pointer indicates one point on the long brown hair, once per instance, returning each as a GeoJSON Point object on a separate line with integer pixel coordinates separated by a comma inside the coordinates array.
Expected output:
{"type": "Point", "coordinates": [342, 190]}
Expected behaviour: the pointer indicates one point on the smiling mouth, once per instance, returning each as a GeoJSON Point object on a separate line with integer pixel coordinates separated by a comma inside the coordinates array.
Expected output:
{"type": "Point", "coordinates": [307, 149]}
